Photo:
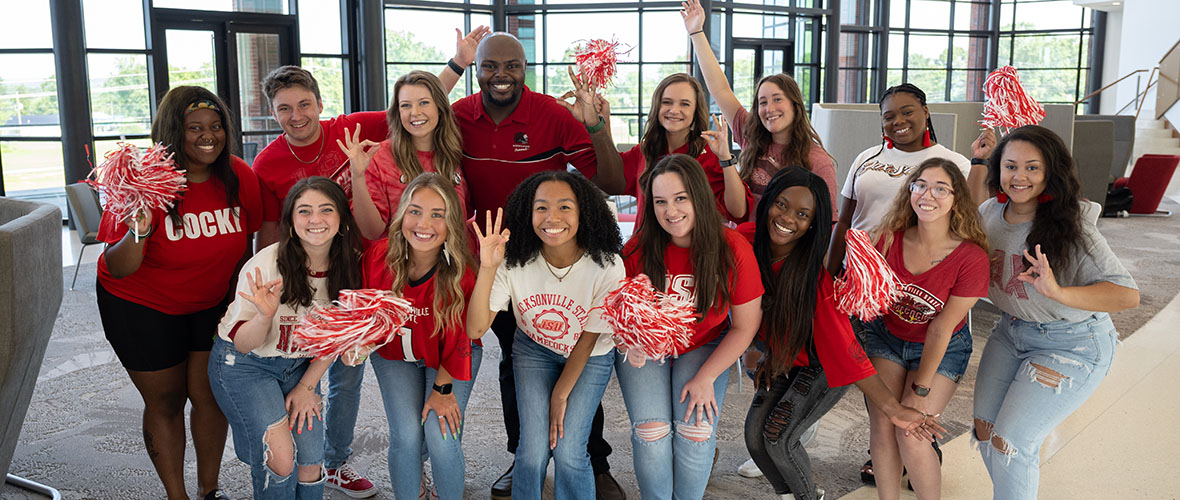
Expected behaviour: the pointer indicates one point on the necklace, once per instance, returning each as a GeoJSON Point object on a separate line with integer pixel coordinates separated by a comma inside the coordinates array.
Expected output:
{"type": "Point", "coordinates": [567, 271]}
{"type": "Point", "coordinates": [317, 155]}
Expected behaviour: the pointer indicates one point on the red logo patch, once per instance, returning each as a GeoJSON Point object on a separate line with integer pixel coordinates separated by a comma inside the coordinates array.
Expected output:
{"type": "Point", "coordinates": [551, 323]}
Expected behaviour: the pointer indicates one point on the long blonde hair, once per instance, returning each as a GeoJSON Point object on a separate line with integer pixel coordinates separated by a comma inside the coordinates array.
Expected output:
{"type": "Point", "coordinates": [964, 215]}
{"type": "Point", "coordinates": [449, 303]}
{"type": "Point", "coordinates": [448, 146]}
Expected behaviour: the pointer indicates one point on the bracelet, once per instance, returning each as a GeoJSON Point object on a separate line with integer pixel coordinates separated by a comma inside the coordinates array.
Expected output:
{"type": "Point", "coordinates": [455, 67]}
{"type": "Point", "coordinates": [596, 128]}
{"type": "Point", "coordinates": [727, 163]}
{"type": "Point", "coordinates": [979, 161]}
{"type": "Point", "coordinates": [310, 388]}
{"type": "Point", "coordinates": [138, 236]}
{"type": "Point", "coordinates": [695, 32]}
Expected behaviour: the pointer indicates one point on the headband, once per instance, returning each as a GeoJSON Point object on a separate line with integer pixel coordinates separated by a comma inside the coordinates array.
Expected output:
{"type": "Point", "coordinates": [201, 104]}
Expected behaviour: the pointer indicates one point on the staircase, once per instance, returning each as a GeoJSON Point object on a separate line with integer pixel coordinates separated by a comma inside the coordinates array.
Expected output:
{"type": "Point", "coordinates": [1155, 137]}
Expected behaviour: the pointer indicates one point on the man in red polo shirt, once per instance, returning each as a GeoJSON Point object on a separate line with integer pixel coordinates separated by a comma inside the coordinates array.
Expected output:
{"type": "Point", "coordinates": [510, 133]}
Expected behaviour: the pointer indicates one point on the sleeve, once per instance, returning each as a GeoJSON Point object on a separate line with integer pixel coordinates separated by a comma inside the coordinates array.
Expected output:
{"type": "Point", "coordinates": [712, 167]}
{"type": "Point", "coordinates": [380, 178]}
{"type": "Point", "coordinates": [374, 125]}
{"type": "Point", "coordinates": [456, 350]}
{"type": "Point", "coordinates": [272, 200]}
{"type": "Point", "coordinates": [575, 140]}
{"type": "Point", "coordinates": [747, 230]}
{"type": "Point", "coordinates": [747, 279]}
{"type": "Point", "coordinates": [111, 230]}
{"type": "Point", "coordinates": [373, 269]}
{"type": "Point", "coordinates": [824, 166]}
{"type": "Point", "coordinates": [607, 284]}
{"type": "Point", "coordinates": [1101, 264]}
{"type": "Point", "coordinates": [500, 298]}
{"type": "Point", "coordinates": [841, 355]}
{"type": "Point", "coordinates": [739, 124]}
{"type": "Point", "coordinates": [249, 194]}
{"type": "Point", "coordinates": [850, 181]}
{"type": "Point", "coordinates": [633, 164]}
{"type": "Point", "coordinates": [973, 274]}
{"type": "Point", "coordinates": [632, 257]}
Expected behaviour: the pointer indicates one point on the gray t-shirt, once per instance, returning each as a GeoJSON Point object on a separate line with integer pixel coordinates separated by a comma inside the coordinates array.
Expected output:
{"type": "Point", "coordinates": [1021, 299]}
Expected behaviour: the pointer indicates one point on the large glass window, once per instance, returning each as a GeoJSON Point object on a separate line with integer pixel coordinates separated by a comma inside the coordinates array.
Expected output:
{"type": "Point", "coordinates": [30, 121]}
{"type": "Point", "coordinates": [1049, 42]}
{"type": "Point", "coordinates": [424, 39]}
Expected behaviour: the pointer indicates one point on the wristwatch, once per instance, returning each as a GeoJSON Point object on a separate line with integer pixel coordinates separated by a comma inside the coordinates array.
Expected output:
{"type": "Point", "coordinates": [979, 161]}
{"type": "Point", "coordinates": [443, 389]}
{"type": "Point", "coordinates": [727, 163]}
{"type": "Point", "coordinates": [919, 390]}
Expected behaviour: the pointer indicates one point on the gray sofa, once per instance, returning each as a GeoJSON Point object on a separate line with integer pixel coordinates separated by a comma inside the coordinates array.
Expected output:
{"type": "Point", "coordinates": [30, 295]}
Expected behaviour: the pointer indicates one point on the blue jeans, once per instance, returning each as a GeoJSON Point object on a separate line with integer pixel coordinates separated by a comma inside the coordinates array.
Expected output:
{"type": "Point", "coordinates": [251, 391]}
{"type": "Point", "coordinates": [405, 385]}
{"type": "Point", "coordinates": [344, 401]}
{"type": "Point", "coordinates": [1023, 403]}
{"type": "Point", "coordinates": [879, 342]}
{"type": "Point", "coordinates": [669, 465]}
{"type": "Point", "coordinates": [537, 369]}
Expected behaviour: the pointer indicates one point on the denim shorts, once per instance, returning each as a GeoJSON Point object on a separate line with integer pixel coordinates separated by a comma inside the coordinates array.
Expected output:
{"type": "Point", "coordinates": [879, 343]}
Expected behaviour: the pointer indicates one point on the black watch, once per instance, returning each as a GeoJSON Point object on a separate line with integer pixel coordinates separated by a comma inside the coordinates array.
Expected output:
{"type": "Point", "coordinates": [979, 161]}
{"type": "Point", "coordinates": [919, 390]}
{"type": "Point", "coordinates": [443, 389]}
{"type": "Point", "coordinates": [727, 163]}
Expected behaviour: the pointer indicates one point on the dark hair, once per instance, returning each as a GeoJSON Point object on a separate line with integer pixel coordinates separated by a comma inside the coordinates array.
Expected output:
{"type": "Point", "coordinates": [598, 233]}
{"type": "Point", "coordinates": [289, 76]}
{"type": "Point", "coordinates": [168, 129]}
{"type": "Point", "coordinates": [1057, 226]}
{"type": "Point", "coordinates": [712, 260]}
{"type": "Point", "coordinates": [758, 139]}
{"type": "Point", "coordinates": [655, 139]}
{"type": "Point", "coordinates": [905, 88]}
{"type": "Point", "coordinates": [788, 308]}
{"type": "Point", "coordinates": [344, 270]}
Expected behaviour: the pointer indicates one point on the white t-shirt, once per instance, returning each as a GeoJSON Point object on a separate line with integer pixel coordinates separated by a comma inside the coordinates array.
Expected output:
{"type": "Point", "coordinates": [278, 339]}
{"type": "Point", "coordinates": [555, 313]}
{"type": "Point", "coordinates": [875, 179]}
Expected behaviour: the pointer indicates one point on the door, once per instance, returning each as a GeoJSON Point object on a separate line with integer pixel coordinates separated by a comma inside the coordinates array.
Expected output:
{"type": "Point", "coordinates": [754, 58]}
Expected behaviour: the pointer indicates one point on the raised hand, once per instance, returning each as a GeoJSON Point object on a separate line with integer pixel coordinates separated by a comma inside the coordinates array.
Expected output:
{"type": "Point", "coordinates": [602, 106]}
{"type": "Point", "coordinates": [719, 139]}
{"type": "Point", "coordinates": [983, 145]}
{"type": "Point", "coordinates": [264, 296]}
{"type": "Point", "coordinates": [1040, 275]}
{"type": "Point", "coordinates": [140, 222]}
{"type": "Point", "coordinates": [465, 45]}
{"type": "Point", "coordinates": [693, 15]}
{"type": "Point", "coordinates": [493, 241]}
{"type": "Point", "coordinates": [583, 106]}
{"type": "Point", "coordinates": [359, 152]}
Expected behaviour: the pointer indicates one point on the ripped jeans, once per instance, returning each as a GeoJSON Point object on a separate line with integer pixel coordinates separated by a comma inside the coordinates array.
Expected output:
{"type": "Point", "coordinates": [1031, 377]}
{"type": "Point", "coordinates": [251, 391]}
{"type": "Point", "coordinates": [672, 458]}
{"type": "Point", "coordinates": [778, 417]}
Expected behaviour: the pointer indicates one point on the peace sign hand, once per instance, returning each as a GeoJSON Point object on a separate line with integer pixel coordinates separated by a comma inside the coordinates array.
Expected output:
{"type": "Point", "coordinates": [1040, 275]}
{"type": "Point", "coordinates": [359, 152]}
{"type": "Point", "coordinates": [264, 296]}
{"type": "Point", "coordinates": [493, 241]}
{"type": "Point", "coordinates": [719, 139]}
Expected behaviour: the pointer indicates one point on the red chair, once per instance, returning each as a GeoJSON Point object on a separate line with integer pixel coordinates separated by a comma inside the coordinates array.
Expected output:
{"type": "Point", "coordinates": [1148, 182]}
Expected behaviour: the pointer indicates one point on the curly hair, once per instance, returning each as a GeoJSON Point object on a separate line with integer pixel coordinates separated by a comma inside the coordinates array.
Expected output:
{"type": "Point", "coordinates": [758, 138]}
{"type": "Point", "coordinates": [1057, 226]}
{"type": "Point", "coordinates": [289, 76]}
{"type": "Point", "coordinates": [168, 129]}
{"type": "Point", "coordinates": [344, 257]}
{"type": "Point", "coordinates": [448, 146]}
{"type": "Point", "coordinates": [964, 214]}
{"type": "Point", "coordinates": [712, 260]}
{"type": "Point", "coordinates": [598, 233]}
{"type": "Point", "coordinates": [788, 308]}
{"type": "Point", "coordinates": [654, 143]}
{"type": "Point", "coordinates": [449, 303]}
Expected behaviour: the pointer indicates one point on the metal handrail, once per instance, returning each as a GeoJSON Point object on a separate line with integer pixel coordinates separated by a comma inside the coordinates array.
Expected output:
{"type": "Point", "coordinates": [1139, 99]}
{"type": "Point", "coordinates": [1111, 84]}
{"type": "Point", "coordinates": [1150, 82]}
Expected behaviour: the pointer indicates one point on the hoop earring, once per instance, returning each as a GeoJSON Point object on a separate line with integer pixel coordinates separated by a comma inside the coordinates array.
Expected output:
{"type": "Point", "coordinates": [926, 139]}
{"type": "Point", "coordinates": [888, 141]}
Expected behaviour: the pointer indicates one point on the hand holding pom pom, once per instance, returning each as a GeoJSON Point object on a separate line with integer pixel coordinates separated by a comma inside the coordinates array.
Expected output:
{"type": "Point", "coordinates": [868, 287]}
{"type": "Point", "coordinates": [136, 181]}
{"type": "Point", "coordinates": [1008, 105]}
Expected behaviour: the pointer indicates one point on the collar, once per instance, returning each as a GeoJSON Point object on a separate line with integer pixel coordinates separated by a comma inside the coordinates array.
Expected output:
{"type": "Point", "coordinates": [521, 114]}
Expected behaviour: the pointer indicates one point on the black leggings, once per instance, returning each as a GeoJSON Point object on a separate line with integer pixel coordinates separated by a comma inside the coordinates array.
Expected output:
{"type": "Point", "coordinates": [778, 416]}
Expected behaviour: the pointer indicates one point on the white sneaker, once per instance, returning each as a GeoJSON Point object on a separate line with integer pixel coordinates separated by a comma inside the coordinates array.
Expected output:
{"type": "Point", "coordinates": [809, 434]}
{"type": "Point", "coordinates": [749, 469]}
{"type": "Point", "coordinates": [791, 496]}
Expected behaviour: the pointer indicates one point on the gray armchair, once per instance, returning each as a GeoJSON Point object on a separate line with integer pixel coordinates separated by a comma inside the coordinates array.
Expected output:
{"type": "Point", "coordinates": [30, 295]}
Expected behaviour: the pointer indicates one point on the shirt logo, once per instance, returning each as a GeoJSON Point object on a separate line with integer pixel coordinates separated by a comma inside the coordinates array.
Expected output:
{"type": "Point", "coordinates": [520, 142]}
{"type": "Point", "coordinates": [551, 323]}
{"type": "Point", "coordinates": [1012, 286]}
{"type": "Point", "coordinates": [205, 224]}
{"type": "Point", "coordinates": [886, 168]}
{"type": "Point", "coordinates": [916, 305]}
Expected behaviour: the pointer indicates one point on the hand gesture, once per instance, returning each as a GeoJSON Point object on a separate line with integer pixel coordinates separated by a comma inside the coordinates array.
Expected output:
{"type": "Point", "coordinates": [699, 393]}
{"type": "Point", "coordinates": [602, 106]}
{"type": "Point", "coordinates": [450, 419]}
{"type": "Point", "coordinates": [140, 221]}
{"type": "Point", "coordinates": [359, 152]}
{"type": "Point", "coordinates": [719, 139]}
{"type": "Point", "coordinates": [557, 406]}
{"type": "Point", "coordinates": [584, 102]}
{"type": "Point", "coordinates": [264, 296]}
{"type": "Point", "coordinates": [357, 355]}
{"type": "Point", "coordinates": [918, 424]}
{"type": "Point", "coordinates": [302, 404]}
{"type": "Point", "coordinates": [465, 45]}
{"type": "Point", "coordinates": [693, 15]}
{"type": "Point", "coordinates": [493, 241]}
{"type": "Point", "coordinates": [983, 145]}
{"type": "Point", "coordinates": [1040, 275]}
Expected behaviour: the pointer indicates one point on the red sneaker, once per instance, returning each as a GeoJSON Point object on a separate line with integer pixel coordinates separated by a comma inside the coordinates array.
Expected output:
{"type": "Point", "coordinates": [352, 484]}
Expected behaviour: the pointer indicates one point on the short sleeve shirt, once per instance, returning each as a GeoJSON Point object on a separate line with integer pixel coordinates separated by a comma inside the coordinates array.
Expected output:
{"type": "Point", "coordinates": [764, 169]}
{"type": "Point", "coordinates": [386, 185]}
{"type": "Point", "coordinates": [879, 173]}
{"type": "Point", "coordinates": [279, 342]}
{"type": "Point", "coordinates": [963, 273]}
{"type": "Point", "coordinates": [634, 165]}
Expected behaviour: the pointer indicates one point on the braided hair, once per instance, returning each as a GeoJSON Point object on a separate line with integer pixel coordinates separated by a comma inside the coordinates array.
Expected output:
{"type": "Point", "coordinates": [907, 88]}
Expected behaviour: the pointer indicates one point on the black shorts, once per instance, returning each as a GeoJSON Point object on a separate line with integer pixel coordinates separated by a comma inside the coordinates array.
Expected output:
{"type": "Point", "coordinates": [147, 340]}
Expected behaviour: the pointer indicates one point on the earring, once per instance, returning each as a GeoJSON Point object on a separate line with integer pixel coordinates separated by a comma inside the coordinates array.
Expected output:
{"type": "Point", "coordinates": [407, 249]}
{"type": "Point", "coordinates": [446, 254]}
{"type": "Point", "coordinates": [888, 141]}
{"type": "Point", "coordinates": [1002, 197]}
{"type": "Point", "coordinates": [1044, 198]}
{"type": "Point", "coordinates": [926, 139]}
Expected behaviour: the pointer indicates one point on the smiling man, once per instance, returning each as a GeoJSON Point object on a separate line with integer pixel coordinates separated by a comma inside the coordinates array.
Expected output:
{"type": "Point", "coordinates": [509, 133]}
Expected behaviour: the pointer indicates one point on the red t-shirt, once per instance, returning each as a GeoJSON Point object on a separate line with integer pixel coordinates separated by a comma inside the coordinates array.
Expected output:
{"type": "Point", "coordinates": [384, 180]}
{"type": "Point", "coordinates": [634, 164]}
{"type": "Point", "coordinates": [449, 348]}
{"type": "Point", "coordinates": [764, 169]}
{"type": "Point", "coordinates": [745, 283]}
{"type": "Point", "coordinates": [188, 268]}
{"type": "Point", "coordinates": [278, 169]}
{"type": "Point", "coordinates": [963, 273]}
{"type": "Point", "coordinates": [539, 135]}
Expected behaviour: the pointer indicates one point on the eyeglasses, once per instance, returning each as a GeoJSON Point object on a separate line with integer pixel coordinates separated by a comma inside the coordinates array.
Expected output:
{"type": "Point", "coordinates": [939, 192]}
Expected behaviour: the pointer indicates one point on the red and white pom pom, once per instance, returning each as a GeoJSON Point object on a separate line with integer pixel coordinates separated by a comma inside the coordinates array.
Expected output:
{"type": "Point", "coordinates": [648, 323]}
{"type": "Point", "coordinates": [359, 318]}
{"type": "Point", "coordinates": [868, 286]}
{"type": "Point", "coordinates": [133, 180]}
{"type": "Point", "coordinates": [1008, 105]}
{"type": "Point", "coordinates": [597, 61]}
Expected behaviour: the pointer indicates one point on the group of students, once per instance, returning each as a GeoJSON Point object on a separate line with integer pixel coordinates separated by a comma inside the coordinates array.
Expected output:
{"type": "Point", "coordinates": [468, 211]}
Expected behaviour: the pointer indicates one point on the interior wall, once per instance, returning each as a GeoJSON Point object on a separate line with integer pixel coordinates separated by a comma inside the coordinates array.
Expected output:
{"type": "Point", "coordinates": [1147, 31]}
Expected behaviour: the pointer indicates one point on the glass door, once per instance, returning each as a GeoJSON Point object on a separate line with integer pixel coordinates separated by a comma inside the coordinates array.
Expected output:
{"type": "Point", "coordinates": [754, 58]}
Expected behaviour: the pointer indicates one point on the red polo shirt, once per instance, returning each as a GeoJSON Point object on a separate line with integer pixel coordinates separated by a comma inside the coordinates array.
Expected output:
{"type": "Point", "coordinates": [539, 135]}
